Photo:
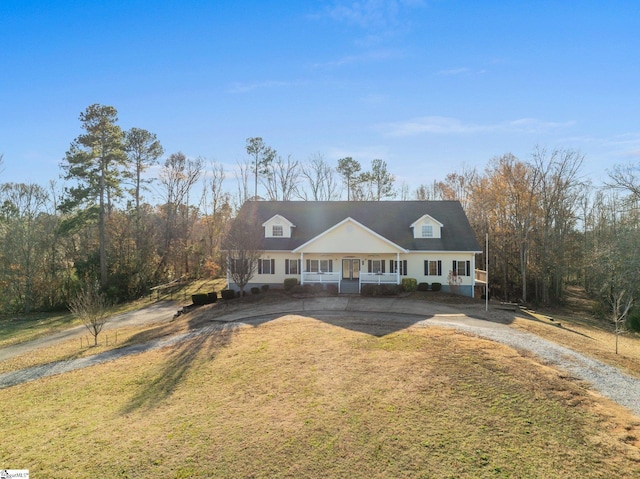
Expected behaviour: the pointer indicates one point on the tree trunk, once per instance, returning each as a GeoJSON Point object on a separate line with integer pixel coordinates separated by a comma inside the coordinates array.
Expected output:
{"type": "Point", "coordinates": [102, 229]}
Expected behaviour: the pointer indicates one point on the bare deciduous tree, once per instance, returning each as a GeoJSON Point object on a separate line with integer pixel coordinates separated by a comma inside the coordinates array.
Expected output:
{"type": "Point", "coordinates": [92, 308]}
{"type": "Point", "coordinates": [242, 180]}
{"type": "Point", "coordinates": [177, 177]}
{"type": "Point", "coordinates": [320, 180]}
{"type": "Point", "coordinates": [243, 245]}
{"type": "Point", "coordinates": [215, 203]}
{"type": "Point", "coordinates": [627, 178]}
{"type": "Point", "coordinates": [281, 178]}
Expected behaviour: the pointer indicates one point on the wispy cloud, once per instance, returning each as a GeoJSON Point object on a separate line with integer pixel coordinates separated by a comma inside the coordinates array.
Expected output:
{"type": "Point", "coordinates": [369, 13]}
{"type": "Point", "coordinates": [439, 125]}
{"type": "Point", "coordinates": [621, 147]}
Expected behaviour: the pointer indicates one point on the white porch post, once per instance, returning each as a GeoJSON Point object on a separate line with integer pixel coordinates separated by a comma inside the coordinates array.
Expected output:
{"type": "Point", "coordinates": [397, 267]}
{"type": "Point", "coordinates": [301, 267]}
{"type": "Point", "coordinates": [473, 274]}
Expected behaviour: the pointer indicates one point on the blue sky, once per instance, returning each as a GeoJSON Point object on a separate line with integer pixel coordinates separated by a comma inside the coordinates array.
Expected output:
{"type": "Point", "coordinates": [429, 86]}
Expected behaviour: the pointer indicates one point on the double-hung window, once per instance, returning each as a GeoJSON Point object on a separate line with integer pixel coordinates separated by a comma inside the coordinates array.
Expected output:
{"type": "Point", "coordinates": [319, 265]}
{"type": "Point", "coordinates": [461, 268]}
{"type": "Point", "coordinates": [394, 266]}
{"type": "Point", "coordinates": [277, 230]}
{"type": "Point", "coordinates": [432, 268]}
{"type": "Point", "coordinates": [427, 231]}
{"type": "Point", "coordinates": [266, 266]}
{"type": "Point", "coordinates": [291, 266]}
{"type": "Point", "coordinates": [376, 266]}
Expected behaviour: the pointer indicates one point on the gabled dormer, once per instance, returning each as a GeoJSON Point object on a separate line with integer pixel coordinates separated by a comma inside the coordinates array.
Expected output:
{"type": "Point", "coordinates": [427, 227]}
{"type": "Point", "coordinates": [277, 227]}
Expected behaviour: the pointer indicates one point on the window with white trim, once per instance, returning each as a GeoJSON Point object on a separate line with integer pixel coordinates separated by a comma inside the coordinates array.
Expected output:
{"type": "Point", "coordinates": [376, 266]}
{"type": "Point", "coordinates": [266, 266]}
{"type": "Point", "coordinates": [277, 230]}
{"type": "Point", "coordinates": [319, 265]}
{"type": "Point", "coordinates": [427, 231]}
{"type": "Point", "coordinates": [291, 266]}
{"type": "Point", "coordinates": [432, 268]}
{"type": "Point", "coordinates": [461, 268]}
{"type": "Point", "coordinates": [395, 265]}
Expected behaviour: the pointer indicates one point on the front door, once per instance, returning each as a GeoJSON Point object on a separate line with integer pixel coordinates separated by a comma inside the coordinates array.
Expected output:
{"type": "Point", "coordinates": [350, 268]}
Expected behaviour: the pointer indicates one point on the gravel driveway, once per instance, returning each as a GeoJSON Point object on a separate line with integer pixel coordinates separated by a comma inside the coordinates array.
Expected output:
{"type": "Point", "coordinates": [607, 380]}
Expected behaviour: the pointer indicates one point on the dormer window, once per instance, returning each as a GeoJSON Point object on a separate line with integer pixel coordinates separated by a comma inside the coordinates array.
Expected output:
{"type": "Point", "coordinates": [277, 227]}
{"type": "Point", "coordinates": [427, 227]}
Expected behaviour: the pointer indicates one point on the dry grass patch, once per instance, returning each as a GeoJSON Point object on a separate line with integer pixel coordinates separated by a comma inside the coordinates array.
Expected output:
{"type": "Point", "coordinates": [109, 339]}
{"type": "Point", "coordinates": [575, 327]}
{"type": "Point", "coordinates": [297, 397]}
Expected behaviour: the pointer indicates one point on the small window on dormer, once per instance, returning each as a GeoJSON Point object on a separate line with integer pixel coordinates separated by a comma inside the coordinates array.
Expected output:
{"type": "Point", "coordinates": [277, 230]}
{"type": "Point", "coordinates": [427, 231]}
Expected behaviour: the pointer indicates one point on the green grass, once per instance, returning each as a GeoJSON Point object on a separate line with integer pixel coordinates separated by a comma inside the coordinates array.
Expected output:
{"type": "Point", "coordinates": [19, 328]}
{"type": "Point", "coordinates": [297, 397]}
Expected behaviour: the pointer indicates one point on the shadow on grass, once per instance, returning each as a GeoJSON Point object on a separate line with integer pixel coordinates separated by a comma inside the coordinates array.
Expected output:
{"type": "Point", "coordinates": [206, 342]}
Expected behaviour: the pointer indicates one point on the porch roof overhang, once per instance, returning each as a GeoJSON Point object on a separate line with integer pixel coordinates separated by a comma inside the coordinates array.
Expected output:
{"type": "Point", "coordinates": [349, 236]}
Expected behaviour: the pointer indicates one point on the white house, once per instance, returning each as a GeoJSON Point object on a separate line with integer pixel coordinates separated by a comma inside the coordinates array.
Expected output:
{"type": "Point", "coordinates": [350, 243]}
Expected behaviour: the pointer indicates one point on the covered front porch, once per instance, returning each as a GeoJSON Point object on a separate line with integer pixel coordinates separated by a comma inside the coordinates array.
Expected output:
{"type": "Point", "coordinates": [352, 271]}
{"type": "Point", "coordinates": [349, 255]}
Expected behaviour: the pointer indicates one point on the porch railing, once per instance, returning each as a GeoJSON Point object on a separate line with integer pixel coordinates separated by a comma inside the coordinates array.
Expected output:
{"type": "Point", "coordinates": [481, 276]}
{"type": "Point", "coordinates": [378, 278]}
{"type": "Point", "coordinates": [321, 277]}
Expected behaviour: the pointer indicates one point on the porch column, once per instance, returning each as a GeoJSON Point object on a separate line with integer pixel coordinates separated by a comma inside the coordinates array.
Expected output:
{"type": "Point", "coordinates": [473, 275]}
{"type": "Point", "coordinates": [301, 267]}
{"type": "Point", "coordinates": [397, 267]}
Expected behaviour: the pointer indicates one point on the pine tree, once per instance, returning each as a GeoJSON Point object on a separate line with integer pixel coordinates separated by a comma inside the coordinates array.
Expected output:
{"type": "Point", "coordinates": [95, 162]}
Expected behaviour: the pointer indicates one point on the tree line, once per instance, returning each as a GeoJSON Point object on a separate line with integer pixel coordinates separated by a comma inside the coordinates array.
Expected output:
{"type": "Point", "coordinates": [548, 226]}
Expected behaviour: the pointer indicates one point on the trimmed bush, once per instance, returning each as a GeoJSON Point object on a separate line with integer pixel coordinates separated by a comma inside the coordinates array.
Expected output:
{"type": "Point", "coordinates": [264, 288]}
{"type": "Point", "coordinates": [289, 283]}
{"type": "Point", "coordinates": [436, 286]}
{"type": "Point", "coordinates": [228, 294]}
{"type": "Point", "coordinates": [255, 290]}
{"type": "Point", "coordinates": [409, 284]}
{"type": "Point", "coordinates": [423, 287]}
{"type": "Point", "coordinates": [199, 299]}
{"type": "Point", "coordinates": [212, 297]}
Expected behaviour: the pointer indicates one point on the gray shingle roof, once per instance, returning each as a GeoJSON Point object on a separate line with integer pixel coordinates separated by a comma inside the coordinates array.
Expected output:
{"type": "Point", "coordinates": [391, 219]}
